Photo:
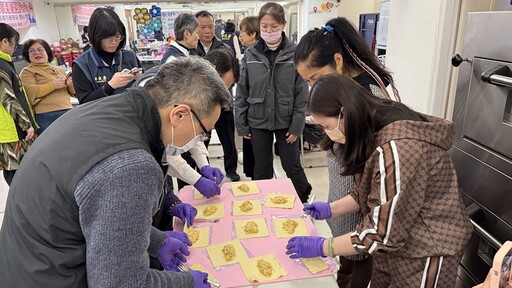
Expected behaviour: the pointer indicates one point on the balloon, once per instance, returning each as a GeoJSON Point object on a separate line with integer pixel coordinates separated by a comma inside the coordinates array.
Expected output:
{"type": "Point", "coordinates": [141, 21]}
{"type": "Point", "coordinates": [147, 22]}
{"type": "Point", "coordinates": [147, 17]}
{"type": "Point", "coordinates": [135, 17]}
{"type": "Point", "coordinates": [137, 10]}
{"type": "Point", "coordinates": [144, 10]}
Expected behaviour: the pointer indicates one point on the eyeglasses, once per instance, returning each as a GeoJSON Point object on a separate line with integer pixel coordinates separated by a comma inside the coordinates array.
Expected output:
{"type": "Point", "coordinates": [39, 50]}
{"type": "Point", "coordinates": [206, 134]}
{"type": "Point", "coordinates": [117, 37]}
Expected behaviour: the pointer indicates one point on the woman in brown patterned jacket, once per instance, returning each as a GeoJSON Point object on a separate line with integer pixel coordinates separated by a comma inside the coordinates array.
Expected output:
{"type": "Point", "coordinates": [414, 222]}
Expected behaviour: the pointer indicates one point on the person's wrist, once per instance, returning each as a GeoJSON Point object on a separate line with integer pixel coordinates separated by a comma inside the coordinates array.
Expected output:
{"type": "Point", "coordinates": [173, 204]}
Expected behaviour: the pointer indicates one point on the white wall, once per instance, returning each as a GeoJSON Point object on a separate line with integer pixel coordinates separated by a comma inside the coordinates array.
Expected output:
{"type": "Point", "coordinates": [46, 28]}
{"type": "Point", "coordinates": [420, 43]}
{"type": "Point", "coordinates": [67, 27]}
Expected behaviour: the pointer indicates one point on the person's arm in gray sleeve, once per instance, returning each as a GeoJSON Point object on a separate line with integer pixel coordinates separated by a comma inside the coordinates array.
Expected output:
{"type": "Point", "coordinates": [116, 200]}
{"type": "Point", "coordinates": [299, 106]}
{"type": "Point", "coordinates": [156, 240]}
{"type": "Point", "coordinates": [241, 104]}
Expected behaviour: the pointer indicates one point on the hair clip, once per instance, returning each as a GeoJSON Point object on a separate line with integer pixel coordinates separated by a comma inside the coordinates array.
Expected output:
{"type": "Point", "coordinates": [329, 29]}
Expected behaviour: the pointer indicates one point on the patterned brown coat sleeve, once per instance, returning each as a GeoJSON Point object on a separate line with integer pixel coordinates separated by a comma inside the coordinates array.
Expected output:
{"type": "Point", "coordinates": [396, 178]}
{"type": "Point", "coordinates": [11, 104]}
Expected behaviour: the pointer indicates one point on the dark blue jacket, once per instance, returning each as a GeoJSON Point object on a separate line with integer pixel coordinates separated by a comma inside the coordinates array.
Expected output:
{"type": "Point", "coordinates": [98, 72]}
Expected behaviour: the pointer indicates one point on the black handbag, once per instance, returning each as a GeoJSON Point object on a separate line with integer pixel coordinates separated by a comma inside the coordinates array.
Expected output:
{"type": "Point", "coordinates": [313, 134]}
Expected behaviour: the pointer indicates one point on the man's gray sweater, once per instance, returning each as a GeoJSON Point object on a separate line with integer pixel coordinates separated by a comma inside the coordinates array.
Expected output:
{"type": "Point", "coordinates": [116, 201]}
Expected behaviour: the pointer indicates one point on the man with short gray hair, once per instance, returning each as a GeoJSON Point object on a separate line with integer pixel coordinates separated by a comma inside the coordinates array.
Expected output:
{"type": "Point", "coordinates": [186, 27]}
{"type": "Point", "coordinates": [80, 207]}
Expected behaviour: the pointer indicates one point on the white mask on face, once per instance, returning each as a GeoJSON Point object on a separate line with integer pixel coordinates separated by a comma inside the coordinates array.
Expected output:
{"type": "Point", "coordinates": [172, 150]}
{"type": "Point", "coordinates": [335, 134]}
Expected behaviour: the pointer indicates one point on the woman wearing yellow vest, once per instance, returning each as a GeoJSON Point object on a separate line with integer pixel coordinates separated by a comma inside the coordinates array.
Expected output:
{"type": "Point", "coordinates": [16, 117]}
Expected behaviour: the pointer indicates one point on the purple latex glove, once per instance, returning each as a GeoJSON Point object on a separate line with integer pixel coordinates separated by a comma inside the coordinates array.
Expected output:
{"type": "Point", "coordinates": [172, 250]}
{"type": "Point", "coordinates": [318, 210]}
{"type": "Point", "coordinates": [212, 173]}
{"type": "Point", "coordinates": [180, 236]}
{"type": "Point", "coordinates": [185, 212]}
{"type": "Point", "coordinates": [305, 247]}
{"type": "Point", "coordinates": [207, 188]}
{"type": "Point", "coordinates": [200, 279]}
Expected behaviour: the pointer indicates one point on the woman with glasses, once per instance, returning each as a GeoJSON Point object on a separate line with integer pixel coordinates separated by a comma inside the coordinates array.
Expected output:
{"type": "Point", "coordinates": [17, 121]}
{"type": "Point", "coordinates": [47, 86]}
{"type": "Point", "coordinates": [105, 69]}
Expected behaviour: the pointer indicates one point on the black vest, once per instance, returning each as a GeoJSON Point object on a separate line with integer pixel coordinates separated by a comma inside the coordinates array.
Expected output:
{"type": "Point", "coordinates": [41, 197]}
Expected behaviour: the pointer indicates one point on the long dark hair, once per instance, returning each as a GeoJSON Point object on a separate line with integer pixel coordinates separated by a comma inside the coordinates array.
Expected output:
{"type": "Point", "coordinates": [104, 23]}
{"type": "Point", "coordinates": [30, 42]}
{"type": "Point", "coordinates": [318, 47]}
{"type": "Point", "coordinates": [332, 92]}
{"type": "Point", "coordinates": [6, 31]}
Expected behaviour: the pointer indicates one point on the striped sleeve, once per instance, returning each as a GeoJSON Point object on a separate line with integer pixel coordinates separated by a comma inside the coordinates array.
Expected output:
{"type": "Point", "coordinates": [395, 200]}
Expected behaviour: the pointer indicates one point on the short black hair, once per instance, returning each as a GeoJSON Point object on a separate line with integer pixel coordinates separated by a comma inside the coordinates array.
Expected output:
{"type": "Point", "coordinates": [86, 28]}
{"type": "Point", "coordinates": [6, 31]}
{"type": "Point", "coordinates": [224, 61]}
{"type": "Point", "coordinates": [104, 23]}
{"type": "Point", "coordinates": [203, 13]}
{"type": "Point", "coordinates": [230, 27]}
{"type": "Point", "coordinates": [30, 42]}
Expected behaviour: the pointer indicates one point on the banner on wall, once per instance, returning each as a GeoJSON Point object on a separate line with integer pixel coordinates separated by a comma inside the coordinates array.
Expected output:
{"type": "Point", "coordinates": [82, 13]}
{"type": "Point", "coordinates": [168, 18]}
{"type": "Point", "coordinates": [17, 13]}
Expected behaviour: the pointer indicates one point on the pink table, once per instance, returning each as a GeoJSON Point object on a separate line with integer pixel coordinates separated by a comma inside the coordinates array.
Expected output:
{"type": "Point", "coordinates": [232, 275]}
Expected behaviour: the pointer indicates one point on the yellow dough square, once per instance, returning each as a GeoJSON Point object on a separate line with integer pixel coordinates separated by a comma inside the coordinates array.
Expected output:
{"type": "Point", "coordinates": [240, 227]}
{"type": "Point", "coordinates": [204, 236]}
{"type": "Point", "coordinates": [217, 207]}
{"type": "Point", "coordinates": [217, 256]}
{"type": "Point", "coordinates": [200, 267]}
{"type": "Point", "coordinates": [271, 197]}
{"type": "Point", "coordinates": [198, 195]}
{"type": "Point", "coordinates": [256, 208]}
{"type": "Point", "coordinates": [300, 230]}
{"type": "Point", "coordinates": [252, 271]}
{"type": "Point", "coordinates": [239, 186]}
{"type": "Point", "coordinates": [314, 265]}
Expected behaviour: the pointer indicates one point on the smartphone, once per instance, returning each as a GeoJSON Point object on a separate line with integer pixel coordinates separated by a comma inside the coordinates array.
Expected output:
{"type": "Point", "coordinates": [133, 71]}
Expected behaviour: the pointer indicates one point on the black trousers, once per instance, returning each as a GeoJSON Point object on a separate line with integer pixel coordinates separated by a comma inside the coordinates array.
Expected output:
{"type": "Point", "coordinates": [8, 175]}
{"type": "Point", "coordinates": [248, 158]}
{"type": "Point", "coordinates": [225, 128]}
{"type": "Point", "coordinates": [262, 141]}
{"type": "Point", "coordinates": [354, 274]}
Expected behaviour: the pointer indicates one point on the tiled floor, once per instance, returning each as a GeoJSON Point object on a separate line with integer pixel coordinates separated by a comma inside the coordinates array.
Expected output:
{"type": "Point", "coordinates": [318, 177]}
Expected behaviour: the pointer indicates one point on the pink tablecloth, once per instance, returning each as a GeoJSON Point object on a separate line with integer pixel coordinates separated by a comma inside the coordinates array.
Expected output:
{"type": "Point", "coordinates": [232, 275]}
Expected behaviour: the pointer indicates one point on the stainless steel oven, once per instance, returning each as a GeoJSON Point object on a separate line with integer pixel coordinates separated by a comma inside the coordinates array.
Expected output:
{"type": "Point", "coordinates": [482, 151]}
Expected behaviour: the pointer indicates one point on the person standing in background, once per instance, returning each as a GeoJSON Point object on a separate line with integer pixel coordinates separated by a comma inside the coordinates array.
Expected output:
{"type": "Point", "coordinates": [249, 35]}
{"type": "Point", "coordinates": [17, 122]}
{"type": "Point", "coordinates": [98, 72]}
{"type": "Point", "coordinates": [186, 28]}
{"type": "Point", "coordinates": [271, 101]}
{"type": "Point", "coordinates": [337, 48]}
{"type": "Point", "coordinates": [85, 38]}
{"type": "Point", "coordinates": [47, 86]}
{"type": "Point", "coordinates": [229, 38]}
{"type": "Point", "coordinates": [219, 28]}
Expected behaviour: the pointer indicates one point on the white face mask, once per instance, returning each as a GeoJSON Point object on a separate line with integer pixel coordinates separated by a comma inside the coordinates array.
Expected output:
{"type": "Point", "coordinates": [335, 134]}
{"type": "Point", "coordinates": [172, 150]}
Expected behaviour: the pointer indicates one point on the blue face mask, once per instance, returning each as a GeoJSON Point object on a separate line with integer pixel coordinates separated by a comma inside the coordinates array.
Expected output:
{"type": "Point", "coordinates": [172, 150]}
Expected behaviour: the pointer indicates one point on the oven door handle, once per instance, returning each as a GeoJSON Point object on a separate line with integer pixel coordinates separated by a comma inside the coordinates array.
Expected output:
{"type": "Point", "coordinates": [498, 76]}
{"type": "Point", "coordinates": [486, 235]}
